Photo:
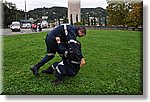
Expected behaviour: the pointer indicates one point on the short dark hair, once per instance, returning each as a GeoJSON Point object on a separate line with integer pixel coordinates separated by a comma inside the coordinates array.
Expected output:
{"type": "Point", "coordinates": [83, 29]}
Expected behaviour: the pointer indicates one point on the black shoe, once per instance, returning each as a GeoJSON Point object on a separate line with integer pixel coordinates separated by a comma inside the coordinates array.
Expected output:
{"type": "Point", "coordinates": [57, 82]}
{"type": "Point", "coordinates": [50, 70]}
{"type": "Point", "coordinates": [34, 69]}
{"type": "Point", "coordinates": [47, 72]}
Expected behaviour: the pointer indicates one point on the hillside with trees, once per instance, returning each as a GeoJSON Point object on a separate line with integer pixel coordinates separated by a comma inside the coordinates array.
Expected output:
{"type": "Point", "coordinates": [52, 13]}
{"type": "Point", "coordinates": [61, 12]}
{"type": "Point", "coordinates": [11, 13]}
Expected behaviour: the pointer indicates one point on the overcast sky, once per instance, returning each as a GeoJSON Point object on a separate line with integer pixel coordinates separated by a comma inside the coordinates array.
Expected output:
{"type": "Point", "coordinates": [31, 4]}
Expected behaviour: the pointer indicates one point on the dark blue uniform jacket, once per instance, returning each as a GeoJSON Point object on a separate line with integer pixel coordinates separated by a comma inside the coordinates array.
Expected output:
{"type": "Point", "coordinates": [70, 59]}
{"type": "Point", "coordinates": [69, 39]}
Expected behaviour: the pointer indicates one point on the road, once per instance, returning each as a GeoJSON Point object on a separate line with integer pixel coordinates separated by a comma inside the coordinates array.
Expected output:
{"type": "Point", "coordinates": [8, 32]}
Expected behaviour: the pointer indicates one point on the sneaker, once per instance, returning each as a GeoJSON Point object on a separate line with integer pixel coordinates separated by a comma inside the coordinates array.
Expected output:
{"type": "Point", "coordinates": [34, 69]}
{"type": "Point", "coordinates": [57, 82]}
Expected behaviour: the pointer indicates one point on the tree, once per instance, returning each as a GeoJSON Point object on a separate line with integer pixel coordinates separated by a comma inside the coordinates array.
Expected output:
{"type": "Point", "coordinates": [117, 12]}
{"type": "Point", "coordinates": [125, 13]}
{"type": "Point", "coordinates": [135, 16]}
{"type": "Point", "coordinates": [11, 13]}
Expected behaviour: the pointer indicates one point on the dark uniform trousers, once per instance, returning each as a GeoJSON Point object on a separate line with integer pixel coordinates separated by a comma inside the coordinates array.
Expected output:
{"type": "Point", "coordinates": [65, 68]}
{"type": "Point", "coordinates": [52, 48]}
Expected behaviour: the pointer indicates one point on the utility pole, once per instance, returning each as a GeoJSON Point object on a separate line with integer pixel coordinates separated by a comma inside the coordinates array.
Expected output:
{"type": "Point", "coordinates": [25, 11]}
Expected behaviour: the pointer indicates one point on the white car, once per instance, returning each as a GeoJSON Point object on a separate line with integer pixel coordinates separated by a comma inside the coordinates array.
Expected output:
{"type": "Point", "coordinates": [44, 24]}
{"type": "Point", "coordinates": [26, 25]}
{"type": "Point", "coordinates": [15, 26]}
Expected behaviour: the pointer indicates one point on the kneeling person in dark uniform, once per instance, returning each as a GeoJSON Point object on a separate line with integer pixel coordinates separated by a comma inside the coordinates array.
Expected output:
{"type": "Point", "coordinates": [68, 66]}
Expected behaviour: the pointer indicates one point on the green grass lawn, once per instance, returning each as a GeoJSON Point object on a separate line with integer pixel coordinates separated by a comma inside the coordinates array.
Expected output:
{"type": "Point", "coordinates": [113, 65]}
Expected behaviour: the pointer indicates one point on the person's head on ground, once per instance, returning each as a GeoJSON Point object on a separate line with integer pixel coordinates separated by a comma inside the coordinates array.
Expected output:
{"type": "Point", "coordinates": [81, 31]}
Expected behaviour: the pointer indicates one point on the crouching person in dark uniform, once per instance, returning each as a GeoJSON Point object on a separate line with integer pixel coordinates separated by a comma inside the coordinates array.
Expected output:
{"type": "Point", "coordinates": [68, 66]}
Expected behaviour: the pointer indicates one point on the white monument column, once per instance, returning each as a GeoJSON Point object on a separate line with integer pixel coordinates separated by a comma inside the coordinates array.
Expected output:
{"type": "Point", "coordinates": [74, 11]}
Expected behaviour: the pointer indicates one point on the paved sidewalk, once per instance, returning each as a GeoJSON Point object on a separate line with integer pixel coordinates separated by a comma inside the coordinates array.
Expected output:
{"type": "Point", "coordinates": [8, 32]}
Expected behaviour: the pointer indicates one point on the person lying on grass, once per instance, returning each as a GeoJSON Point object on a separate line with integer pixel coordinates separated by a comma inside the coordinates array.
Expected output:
{"type": "Point", "coordinates": [68, 66]}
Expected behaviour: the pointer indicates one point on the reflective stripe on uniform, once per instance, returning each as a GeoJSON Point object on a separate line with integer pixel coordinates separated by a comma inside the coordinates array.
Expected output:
{"type": "Point", "coordinates": [65, 54]}
{"type": "Point", "coordinates": [53, 67]}
{"type": "Point", "coordinates": [58, 70]}
{"type": "Point", "coordinates": [65, 29]}
{"type": "Point", "coordinates": [49, 54]}
{"type": "Point", "coordinates": [75, 62]}
{"type": "Point", "coordinates": [72, 41]}
{"type": "Point", "coordinates": [61, 63]}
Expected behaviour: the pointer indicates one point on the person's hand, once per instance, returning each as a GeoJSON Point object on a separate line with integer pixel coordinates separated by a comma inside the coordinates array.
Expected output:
{"type": "Point", "coordinates": [82, 62]}
{"type": "Point", "coordinates": [57, 39]}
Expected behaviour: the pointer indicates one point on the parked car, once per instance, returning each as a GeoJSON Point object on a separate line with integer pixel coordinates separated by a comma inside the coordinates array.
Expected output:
{"type": "Point", "coordinates": [15, 26]}
{"type": "Point", "coordinates": [44, 24]}
{"type": "Point", "coordinates": [26, 25]}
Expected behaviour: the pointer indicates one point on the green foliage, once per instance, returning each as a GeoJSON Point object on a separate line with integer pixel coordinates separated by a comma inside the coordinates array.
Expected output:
{"type": "Point", "coordinates": [125, 13]}
{"type": "Point", "coordinates": [52, 13]}
{"type": "Point", "coordinates": [117, 13]}
{"type": "Point", "coordinates": [113, 65]}
{"type": "Point", "coordinates": [11, 13]}
{"type": "Point", "coordinates": [135, 16]}
{"type": "Point", "coordinates": [78, 23]}
{"type": "Point", "coordinates": [93, 12]}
